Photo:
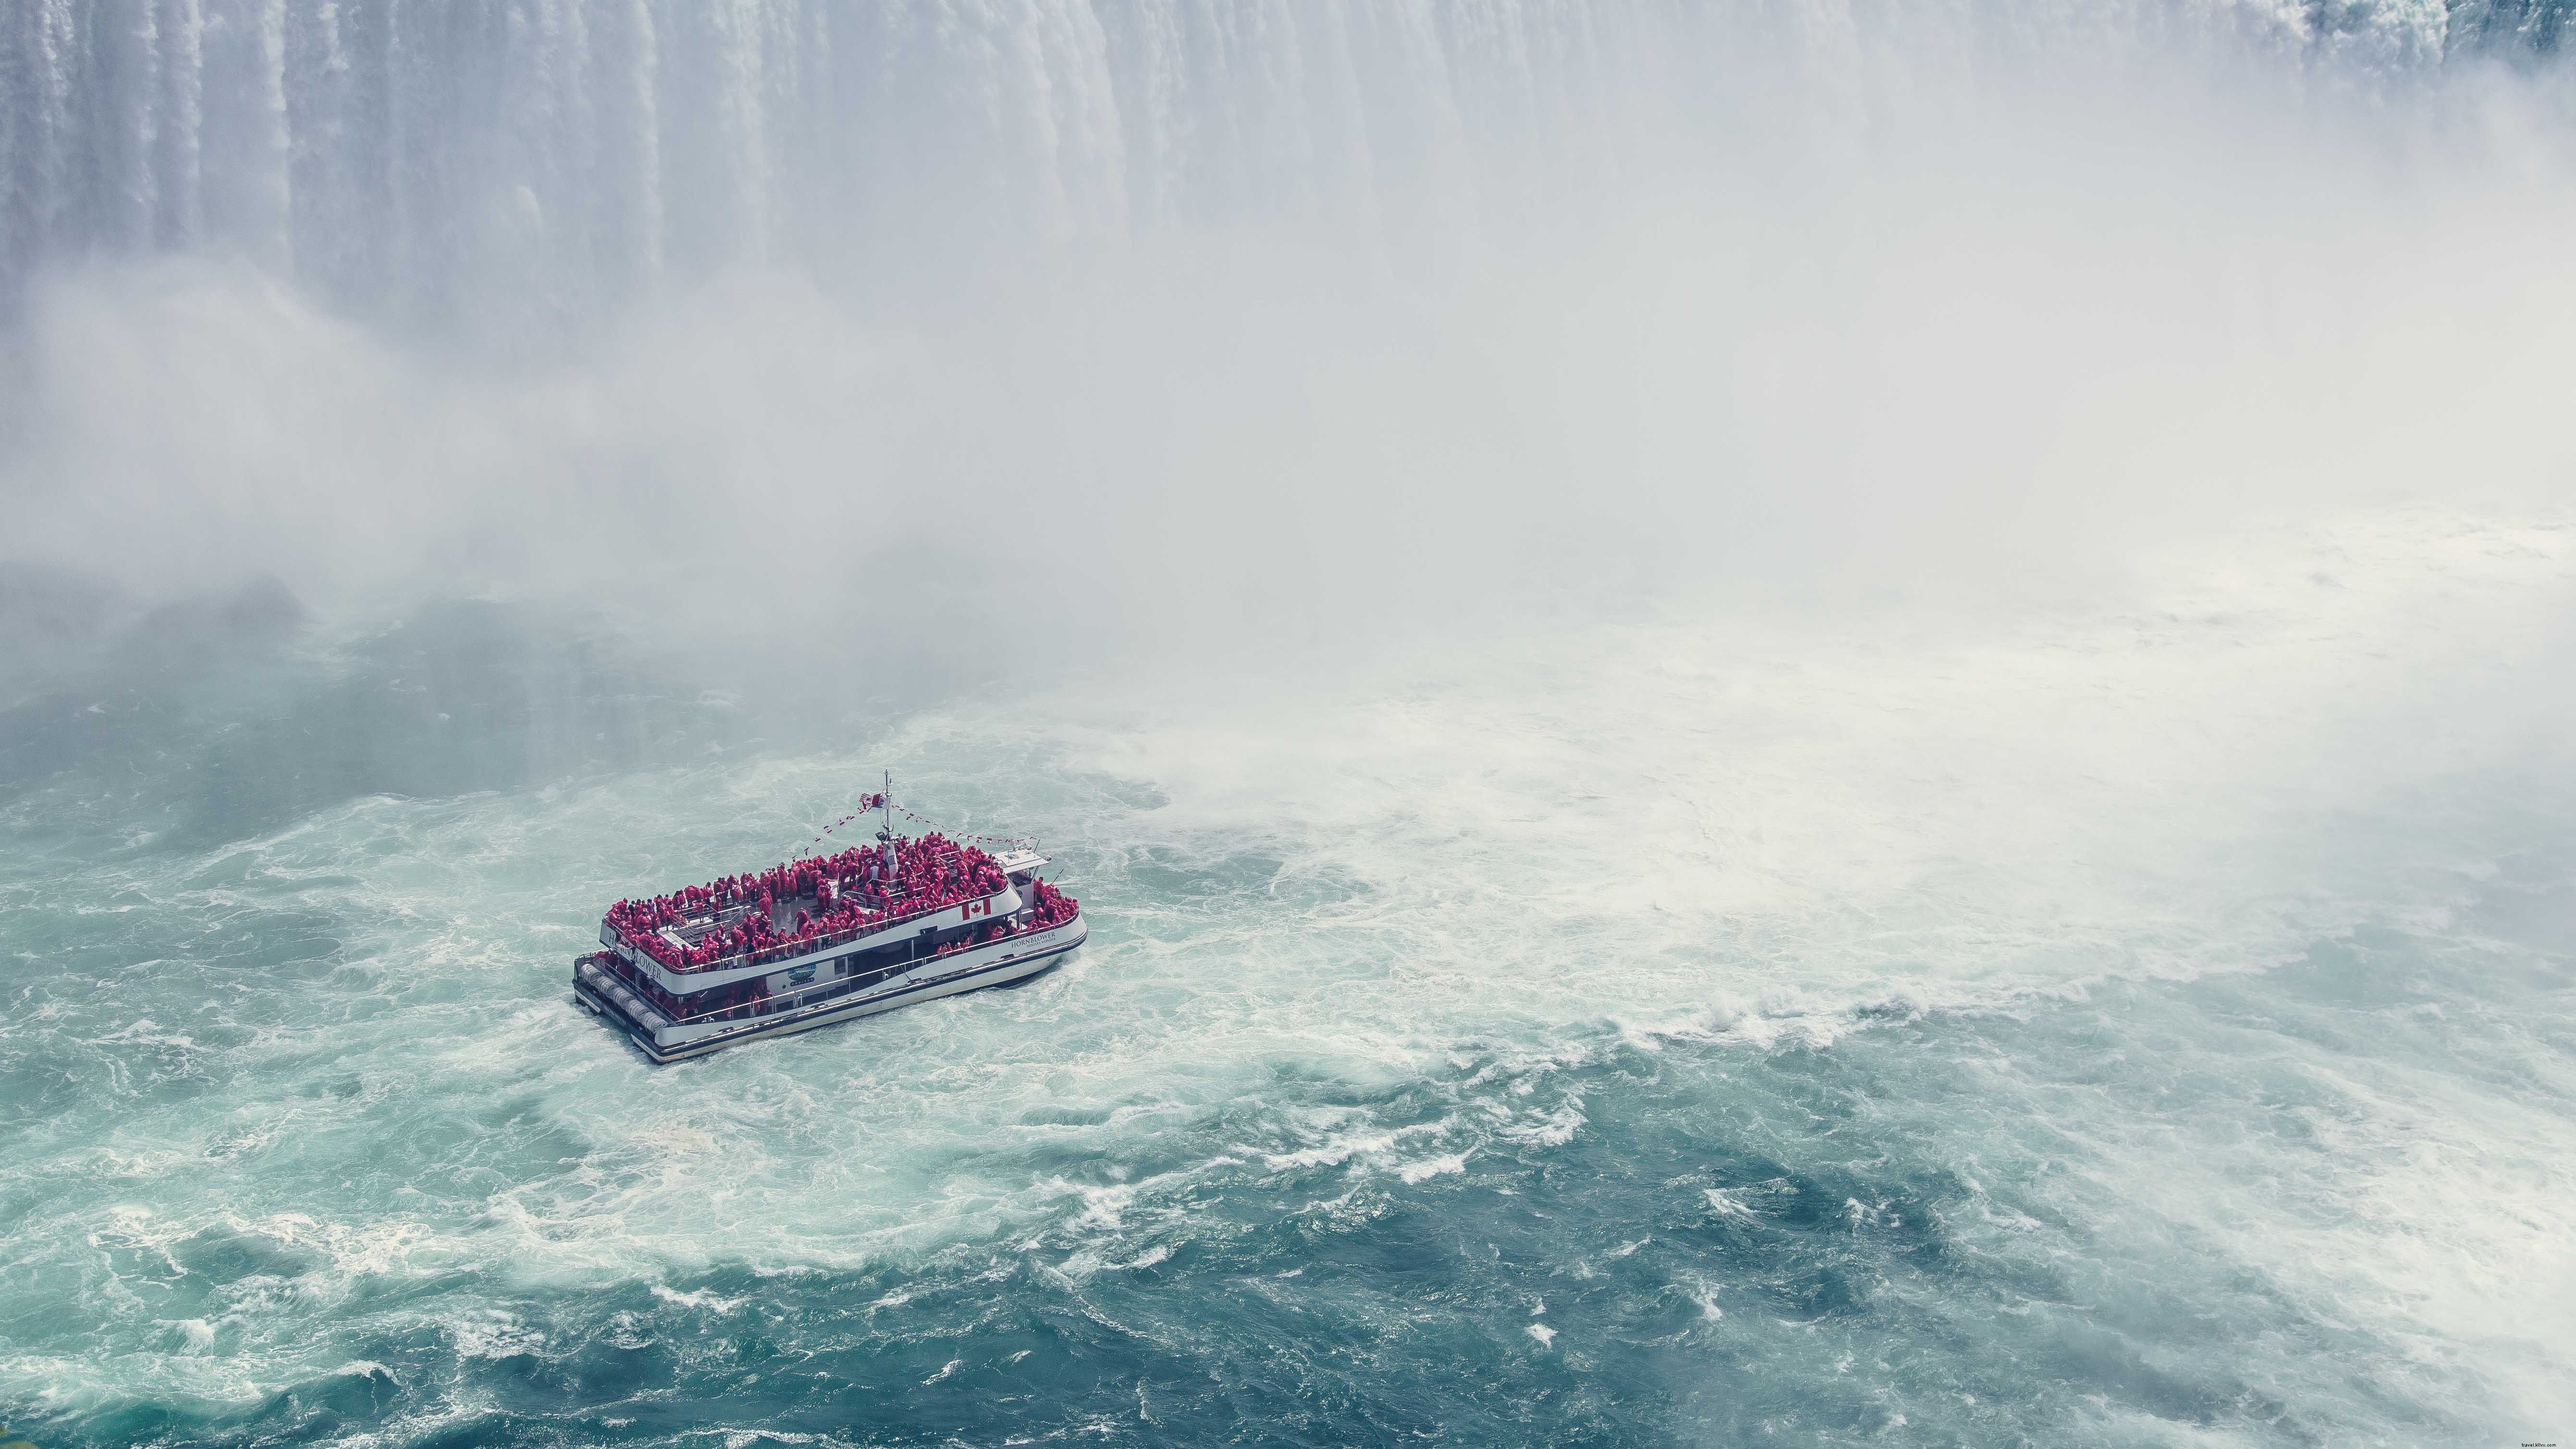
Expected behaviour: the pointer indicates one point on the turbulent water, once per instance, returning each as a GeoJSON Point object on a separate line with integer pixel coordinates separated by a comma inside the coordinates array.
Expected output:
{"type": "Point", "coordinates": [1783, 723]}
{"type": "Point", "coordinates": [2137, 1027]}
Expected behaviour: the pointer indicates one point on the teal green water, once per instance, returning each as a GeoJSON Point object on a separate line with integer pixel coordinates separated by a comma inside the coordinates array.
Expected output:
{"type": "Point", "coordinates": [2093, 1029]}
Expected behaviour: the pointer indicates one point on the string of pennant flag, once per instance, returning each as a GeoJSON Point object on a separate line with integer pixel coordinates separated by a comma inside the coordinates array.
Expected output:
{"type": "Point", "coordinates": [879, 802]}
{"type": "Point", "coordinates": [960, 835]}
{"type": "Point", "coordinates": [866, 804]}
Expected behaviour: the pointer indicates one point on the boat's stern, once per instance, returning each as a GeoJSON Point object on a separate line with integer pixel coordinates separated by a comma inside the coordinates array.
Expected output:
{"type": "Point", "coordinates": [602, 995]}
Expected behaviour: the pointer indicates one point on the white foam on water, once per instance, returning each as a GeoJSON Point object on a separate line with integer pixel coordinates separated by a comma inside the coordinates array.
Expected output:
{"type": "Point", "coordinates": [1431, 1167]}
{"type": "Point", "coordinates": [1725, 1203]}
{"type": "Point", "coordinates": [697, 1300]}
{"type": "Point", "coordinates": [1739, 833]}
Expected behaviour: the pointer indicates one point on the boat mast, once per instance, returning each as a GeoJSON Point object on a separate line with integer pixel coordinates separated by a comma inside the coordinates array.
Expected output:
{"type": "Point", "coordinates": [885, 803]}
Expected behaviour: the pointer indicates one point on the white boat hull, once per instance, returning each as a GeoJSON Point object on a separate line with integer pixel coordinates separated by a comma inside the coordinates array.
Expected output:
{"type": "Point", "coordinates": [995, 963]}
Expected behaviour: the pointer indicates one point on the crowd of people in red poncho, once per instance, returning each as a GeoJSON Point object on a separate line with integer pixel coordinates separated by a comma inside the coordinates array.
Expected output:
{"type": "Point", "coordinates": [860, 887]}
{"type": "Point", "coordinates": [1054, 907]}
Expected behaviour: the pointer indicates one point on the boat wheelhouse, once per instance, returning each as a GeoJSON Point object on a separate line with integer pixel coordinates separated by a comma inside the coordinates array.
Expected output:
{"type": "Point", "coordinates": [824, 939]}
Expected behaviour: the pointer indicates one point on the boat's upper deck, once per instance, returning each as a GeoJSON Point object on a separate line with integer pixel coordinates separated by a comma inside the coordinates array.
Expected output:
{"type": "Point", "coordinates": [806, 905]}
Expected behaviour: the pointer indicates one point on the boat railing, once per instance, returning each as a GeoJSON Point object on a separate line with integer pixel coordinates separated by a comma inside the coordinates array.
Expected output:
{"type": "Point", "coordinates": [820, 991]}
{"type": "Point", "coordinates": [797, 1000]}
{"type": "Point", "coordinates": [610, 935]}
{"type": "Point", "coordinates": [800, 999]}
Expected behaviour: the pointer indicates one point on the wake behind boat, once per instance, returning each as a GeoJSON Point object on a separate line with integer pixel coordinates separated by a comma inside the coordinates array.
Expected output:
{"type": "Point", "coordinates": [823, 940]}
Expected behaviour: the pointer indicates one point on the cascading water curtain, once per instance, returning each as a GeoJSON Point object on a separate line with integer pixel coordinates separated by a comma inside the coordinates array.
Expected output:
{"type": "Point", "coordinates": [407, 155]}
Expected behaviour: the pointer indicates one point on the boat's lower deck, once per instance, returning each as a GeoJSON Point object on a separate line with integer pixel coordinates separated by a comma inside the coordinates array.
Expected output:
{"type": "Point", "coordinates": [995, 963]}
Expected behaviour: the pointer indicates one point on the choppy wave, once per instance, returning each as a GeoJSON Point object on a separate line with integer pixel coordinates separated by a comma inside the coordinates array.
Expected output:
{"type": "Point", "coordinates": [2135, 1022]}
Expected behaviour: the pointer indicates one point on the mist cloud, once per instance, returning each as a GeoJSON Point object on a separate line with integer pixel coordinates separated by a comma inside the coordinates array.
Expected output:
{"type": "Point", "coordinates": [1832, 330]}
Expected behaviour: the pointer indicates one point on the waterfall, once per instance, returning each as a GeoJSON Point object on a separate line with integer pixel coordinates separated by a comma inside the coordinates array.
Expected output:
{"type": "Point", "coordinates": [401, 154]}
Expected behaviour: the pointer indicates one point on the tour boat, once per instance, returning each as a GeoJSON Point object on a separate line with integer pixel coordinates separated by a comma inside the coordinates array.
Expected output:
{"type": "Point", "coordinates": [824, 939]}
